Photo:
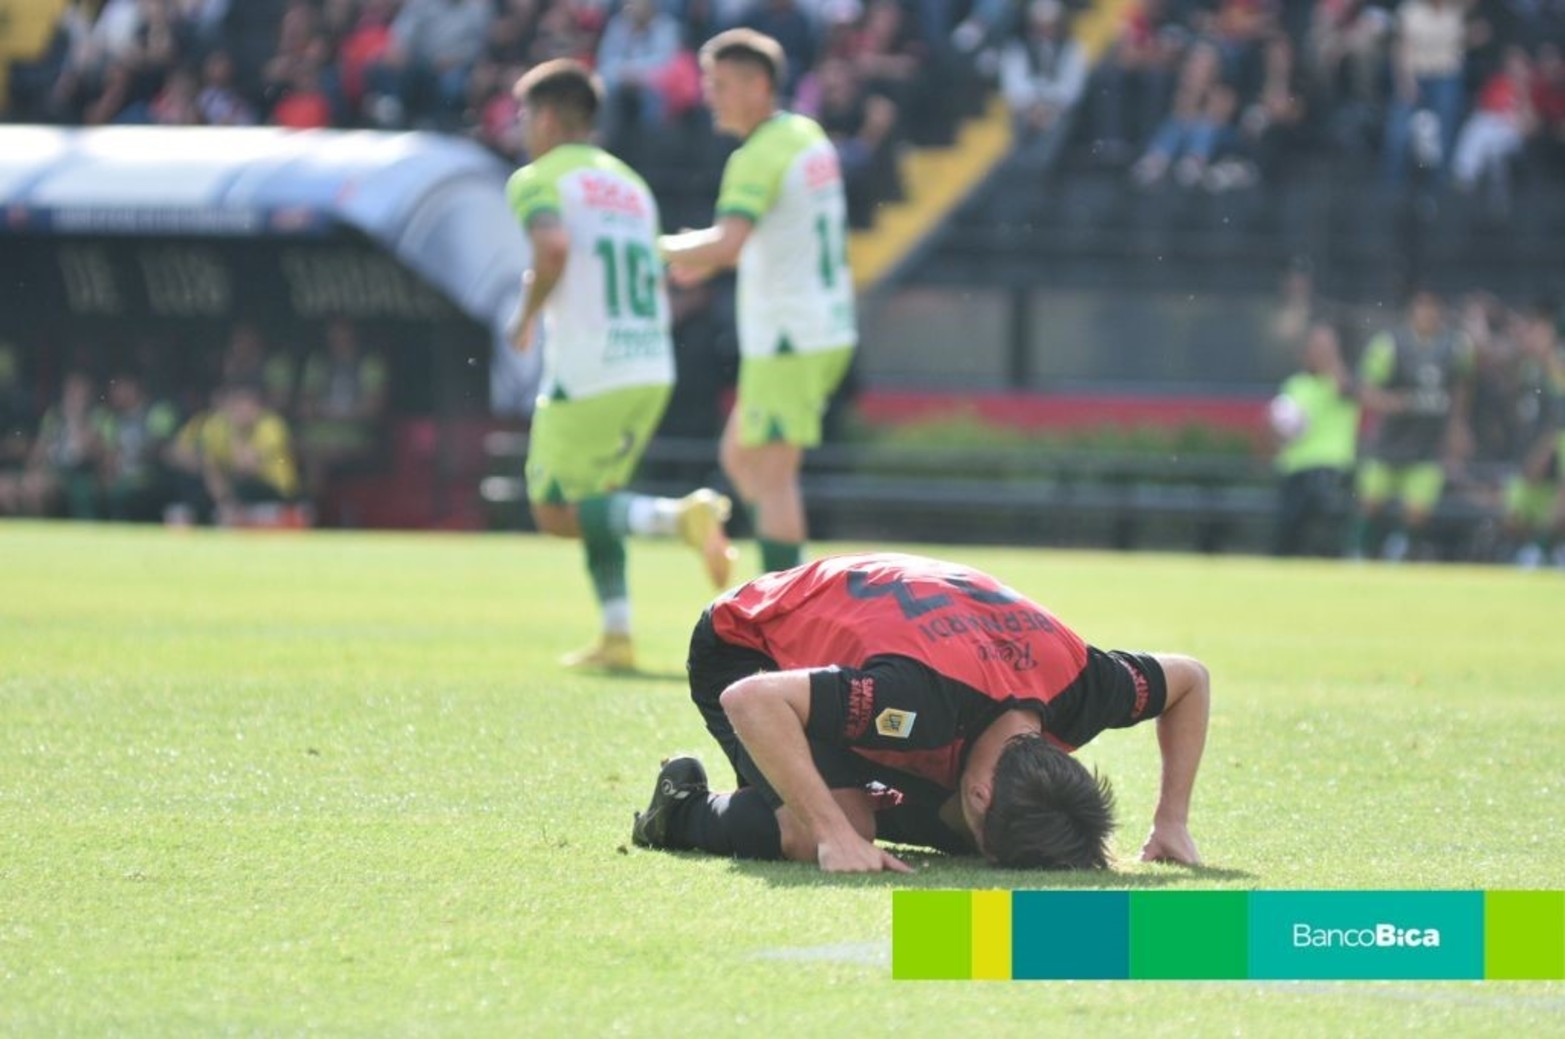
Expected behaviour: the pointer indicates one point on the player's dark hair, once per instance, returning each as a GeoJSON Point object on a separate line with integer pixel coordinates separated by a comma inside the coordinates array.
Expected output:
{"type": "Point", "coordinates": [748, 47]}
{"type": "Point", "coordinates": [564, 86]}
{"type": "Point", "coordinates": [1046, 810]}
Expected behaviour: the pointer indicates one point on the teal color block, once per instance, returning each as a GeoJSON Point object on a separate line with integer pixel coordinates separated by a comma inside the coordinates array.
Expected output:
{"type": "Point", "coordinates": [1070, 935]}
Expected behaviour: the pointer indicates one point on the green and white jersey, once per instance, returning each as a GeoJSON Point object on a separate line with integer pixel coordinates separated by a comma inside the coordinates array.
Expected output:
{"type": "Point", "coordinates": [606, 324]}
{"type": "Point", "coordinates": [795, 288]}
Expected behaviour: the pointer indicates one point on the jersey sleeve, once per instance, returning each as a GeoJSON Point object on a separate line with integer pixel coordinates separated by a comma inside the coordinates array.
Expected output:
{"type": "Point", "coordinates": [892, 703]}
{"type": "Point", "coordinates": [1115, 691]}
{"type": "Point", "coordinates": [751, 181]}
{"type": "Point", "coordinates": [531, 195]}
{"type": "Point", "coordinates": [1380, 358]}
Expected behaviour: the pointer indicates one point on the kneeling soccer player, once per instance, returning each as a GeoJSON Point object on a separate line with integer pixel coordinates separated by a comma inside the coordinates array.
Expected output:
{"type": "Point", "coordinates": [608, 356]}
{"type": "Point", "coordinates": [905, 699]}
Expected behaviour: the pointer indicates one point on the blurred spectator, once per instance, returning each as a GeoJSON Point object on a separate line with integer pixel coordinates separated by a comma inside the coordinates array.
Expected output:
{"type": "Point", "coordinates": [1133, 81]}
{"type": "Point", "coordinates": [1501, 121]}
{"type": "Point", "coordinates": [561, 35]}
{"type": "Point", "coordinates": [784, 22]}
{"type": "Point", "coordinates": [1415, 380]}
{"type": "Point", "coordinates": [1535, 494]}
{"type": "Point", "coordinates": [423, 73]}
{"type": "Point", "coordinates": [218, 102]}
{"type": "Point", "coordinates": [636, 60]}
{"type": "Point", "coordinates": [1270, 127]}
{"type": "Point", "coordinates": [134, 431]}
{"type": "Point", "coordinates": [247, 361]}
{"type": "Point", "coordinates": [62, 467]}
{"type": "Point", "coordinates": [1548, 102]}
{"type": "Point", "coordinates": [1496, 382]}
{"type": "Point", "coordinates": [342, 401]}
{"type": "Point", "coordinates": [860, 124]}
{"type": "Point", "coordinates": [1042, 73]}
{"type": "Point", "coordinates": [236, 455]}
{"type": "Point", "coordinates": [298, 91]}
{"type": "Point", "coordinates": [137, 74]}
{"type": "Point", "coordinates": [302, 102]}
{"type": "Point", "coordinates": [1427, 62]}
{"type": "Point", "coordinates": [888, 55]}
{"type": "Point", "coordinates": [506, 55]}
{"type": "Point", "coordinates": [175, 104]}
{"type": "Point", "coordinates": [1347, 49]}
{"type": "Point", "coordinates": [1315, 419]}
{"type": "Point", "coordinates": [365, 43]}
{"type": "Point", "coordinates": [16, 425]}
{"type": "Point", "coordinates": [1202, 115]}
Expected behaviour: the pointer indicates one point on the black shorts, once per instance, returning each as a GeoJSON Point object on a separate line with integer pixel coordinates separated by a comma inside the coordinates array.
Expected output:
{"type": "Point", "coordinates": [713, 666]}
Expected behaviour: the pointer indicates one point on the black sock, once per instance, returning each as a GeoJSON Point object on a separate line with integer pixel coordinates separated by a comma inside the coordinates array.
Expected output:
{"type": "Point", "coordinates": [740, 824]}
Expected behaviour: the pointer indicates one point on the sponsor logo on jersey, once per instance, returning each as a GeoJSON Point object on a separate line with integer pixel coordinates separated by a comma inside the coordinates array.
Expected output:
{"type": "Point", "coordinates": [1143, 692]}
{"type": "Point", "coordinates": [821, 169]}
{"type": "Point", "coordinates": [861, 701]}
{"type": "Point", "coordinates": [894, 723]}
{"type": "Point", "coordinates": [1017, 653]}
{"type": "Point", "coordinates": [611, 195]}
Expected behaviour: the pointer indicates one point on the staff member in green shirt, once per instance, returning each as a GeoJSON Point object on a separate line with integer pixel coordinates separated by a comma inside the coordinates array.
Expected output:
{"type": "Point", "coordinates": [1315, 417]}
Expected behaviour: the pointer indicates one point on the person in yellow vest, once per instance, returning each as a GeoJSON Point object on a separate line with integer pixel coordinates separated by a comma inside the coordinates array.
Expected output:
{"type": "Point", "coordinates": [1315, 417]}
{"type": "Point", "coordinates": [243, 453]}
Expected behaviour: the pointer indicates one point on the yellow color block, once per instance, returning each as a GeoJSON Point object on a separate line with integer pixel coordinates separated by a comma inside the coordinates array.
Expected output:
{"type": "Point", "coordinates": [991, 936]}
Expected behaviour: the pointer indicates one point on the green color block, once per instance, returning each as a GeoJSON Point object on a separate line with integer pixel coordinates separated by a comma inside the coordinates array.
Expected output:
{"type": "Point", "coordinates": [1524, 935]}
{"type": "Point", "coordinates": [1189, 934]}
{"type": "Point", "coordinates": [931, 935]}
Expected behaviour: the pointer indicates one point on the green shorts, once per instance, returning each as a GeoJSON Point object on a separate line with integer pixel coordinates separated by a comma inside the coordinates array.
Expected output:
{"type": "Point", "coordinates": [1416, 486]}
{"type": "Point", "coordinates": [782, 399]}
{"type": "Point", "coordinates": [583, 448]}
{"type": "Point", "coordinates": [1530, 503]}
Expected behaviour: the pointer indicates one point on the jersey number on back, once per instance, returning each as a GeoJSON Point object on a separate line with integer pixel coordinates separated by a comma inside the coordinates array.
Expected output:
{"type": "Point", "coordinates": [629, 278]}
{"type": "Point", "coordinates": [913, 605]}
{"type": "Point", "coordinates": [833, 250]}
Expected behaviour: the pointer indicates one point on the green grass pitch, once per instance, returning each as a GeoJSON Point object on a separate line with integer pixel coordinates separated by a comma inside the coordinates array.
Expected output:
{"type": "Point", "coordinates": [336, 785]}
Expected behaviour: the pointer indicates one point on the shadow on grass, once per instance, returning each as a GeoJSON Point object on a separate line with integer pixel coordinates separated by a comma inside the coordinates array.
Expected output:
{"type": "Point", "coordinates": [946, 871]}
{"type": "Point", "coordinates": [639, 675]}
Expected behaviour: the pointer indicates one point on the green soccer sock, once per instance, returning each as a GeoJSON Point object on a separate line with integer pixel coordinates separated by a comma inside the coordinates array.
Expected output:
{"type": "Point", "coordinates": [780, 555]}
{"type": "Point", "coordinates": [605, 551]}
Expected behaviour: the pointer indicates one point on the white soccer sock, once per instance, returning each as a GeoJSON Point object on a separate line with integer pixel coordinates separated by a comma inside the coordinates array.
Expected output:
{"type": "Point", "coordinates": [652, 517]}
{"type": "Point", "coordinates": [616, 617]}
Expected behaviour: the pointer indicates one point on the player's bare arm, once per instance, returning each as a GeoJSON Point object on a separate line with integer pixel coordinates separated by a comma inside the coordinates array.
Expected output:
{"type": "Point", "coordinates": [1181, 737]}
{"type": "Point", "coordinates": [551, 248]}
{"type": "Point", "coordinates": [694, 256]}
{"type": "Point", "coordinates": [768, 713]}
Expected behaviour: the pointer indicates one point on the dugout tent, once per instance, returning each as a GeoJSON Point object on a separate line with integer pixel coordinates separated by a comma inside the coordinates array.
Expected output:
{"type": "Point", "coordinates": [175, 233]}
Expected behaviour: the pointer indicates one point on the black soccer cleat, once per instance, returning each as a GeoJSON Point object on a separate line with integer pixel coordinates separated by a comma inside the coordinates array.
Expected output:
{"type": "Point", "coordinates": [678, 780]}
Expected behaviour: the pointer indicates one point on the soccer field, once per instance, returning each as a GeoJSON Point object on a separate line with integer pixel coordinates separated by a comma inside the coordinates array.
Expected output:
{"type": "Point", "coordinates": [335, 784]}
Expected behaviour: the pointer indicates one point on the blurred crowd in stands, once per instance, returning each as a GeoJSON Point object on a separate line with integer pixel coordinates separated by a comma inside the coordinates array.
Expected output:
{"type": "Point", "coordinates": [260, 442]}
{"type": "Point", "coordinates": [1220, 93]}
{"type": "Point", "coordinates": [873, 72]}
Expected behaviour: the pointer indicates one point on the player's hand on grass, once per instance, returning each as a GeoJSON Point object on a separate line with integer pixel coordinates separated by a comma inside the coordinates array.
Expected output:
{"type": "Point", "coordinates": [1170, 842]}
{"type": "Point", "coordinates": [854, 854]}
